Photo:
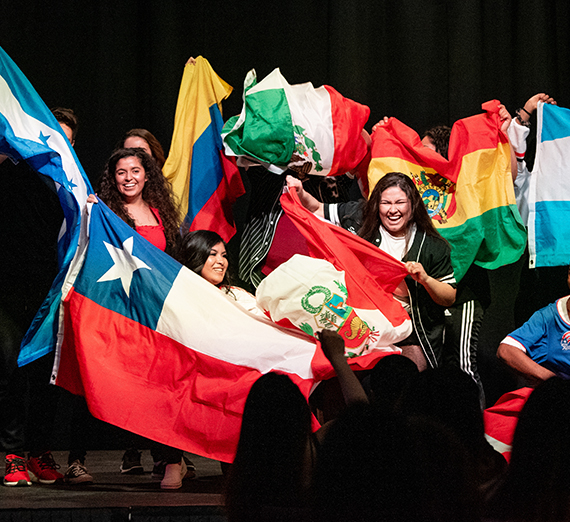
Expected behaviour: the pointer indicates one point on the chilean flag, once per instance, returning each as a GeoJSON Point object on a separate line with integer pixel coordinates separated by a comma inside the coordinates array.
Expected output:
{"type": "Point", "coordinates": [203, 179]}
{"type": "Point", "coordinates": [157, 350]}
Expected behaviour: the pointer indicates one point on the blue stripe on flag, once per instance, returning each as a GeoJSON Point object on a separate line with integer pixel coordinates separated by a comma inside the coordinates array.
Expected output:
{"type": "Point", "coordinates": [207, 171]}
{"type": "Point", "coordinates": [29, 131]}
{"type": "Point", "coordinates": [552, 232]}
{"type": "Point", "coordinates": [555, 122]}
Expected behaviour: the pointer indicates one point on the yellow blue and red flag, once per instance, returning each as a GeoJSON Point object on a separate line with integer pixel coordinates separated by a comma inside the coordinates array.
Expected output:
{"type": "Point", "coordinates": [205, 182]}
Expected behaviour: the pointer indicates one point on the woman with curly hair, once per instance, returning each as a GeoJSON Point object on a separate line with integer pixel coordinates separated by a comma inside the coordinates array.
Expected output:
{"type": "Point", "coordinates": [134, 188]}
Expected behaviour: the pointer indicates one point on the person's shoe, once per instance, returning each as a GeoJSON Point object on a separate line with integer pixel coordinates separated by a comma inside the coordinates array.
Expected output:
{"type": "Point", "coordinates": [131, 464]}
{"type": "Point", "coordinates": [77, 474]}
{"type": "Point", "coordinates": [190, 468]}
{"type": "Point", "coordinates": [16, 472]}
{"type": "Point", "coordinates": [158, 469]}
{"type": "Point", "coordinates": [173, 475]}
{"type": "Point", "coordinates": [43, 469]}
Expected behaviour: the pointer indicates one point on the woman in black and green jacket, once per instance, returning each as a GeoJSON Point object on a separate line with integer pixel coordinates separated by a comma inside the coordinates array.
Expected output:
{"type": "Point", "coordinates": [395, 219]}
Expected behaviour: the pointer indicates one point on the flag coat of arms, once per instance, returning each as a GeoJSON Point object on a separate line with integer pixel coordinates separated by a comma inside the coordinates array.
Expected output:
{"type": "Point", "coordinates": [29, 132]}
{"type": "Point", "coordinates": [470, 197]}
{"type": "Point", "coordinates": [205, 182]}
{"type": "Point", "coordinates": [298, 127]}
{"type": "Point", "coordinates": [549, 192]}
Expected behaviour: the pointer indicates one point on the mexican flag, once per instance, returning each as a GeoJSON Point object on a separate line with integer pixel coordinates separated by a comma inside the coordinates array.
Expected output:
{"type": "Point", "coordinates": [470, 197]}
{"type": "Point", "coordinates": [298, 127]}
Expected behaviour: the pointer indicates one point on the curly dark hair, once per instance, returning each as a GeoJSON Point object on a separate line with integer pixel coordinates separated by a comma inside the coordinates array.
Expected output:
{"type": "Point", "coordinates": [155, 146]}
{"type": "Point", "coordinates": [157, 192]}
{"type": "Point", "coordinates": [439, 135]}
{"type": "Point", "coordinates": [194, 249]}
{"type": "Point", "coordinates": [371, 218]}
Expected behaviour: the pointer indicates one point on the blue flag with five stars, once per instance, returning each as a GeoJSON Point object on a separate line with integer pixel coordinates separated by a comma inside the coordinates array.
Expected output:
{"type": "Point", "coordinates": [29, 132]}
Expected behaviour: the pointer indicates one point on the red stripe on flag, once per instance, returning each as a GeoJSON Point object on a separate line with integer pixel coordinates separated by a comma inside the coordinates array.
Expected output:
{"type": "Point", "coordinates": [145, 382]}
{"type": "Point", "coordinates": [217, 214]}
{"type": "Point", "coordinates": [371, 275]}
{"type": "Point", "coordinates": [348, 118]}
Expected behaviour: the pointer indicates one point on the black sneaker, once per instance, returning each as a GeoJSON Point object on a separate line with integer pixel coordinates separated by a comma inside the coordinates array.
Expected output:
{"type": "Point", "coordinates": [158, 469]}
{"type": "Point", "coordinates": [131, 464]}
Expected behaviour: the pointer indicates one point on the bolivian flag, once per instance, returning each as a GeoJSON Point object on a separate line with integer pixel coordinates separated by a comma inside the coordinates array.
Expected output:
{"type": "Point", "coordinates": [469, 197]}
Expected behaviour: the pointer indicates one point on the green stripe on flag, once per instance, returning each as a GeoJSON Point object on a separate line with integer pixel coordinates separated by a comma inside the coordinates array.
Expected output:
{"type": "Point", "coordinates": [267, 133]}
{"type": "Point", "coordinates": [498, 237]}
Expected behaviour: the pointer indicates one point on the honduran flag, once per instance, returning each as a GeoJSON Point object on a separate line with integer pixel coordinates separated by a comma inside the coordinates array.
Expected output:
{"type": "Point", "coordinates": [549, 194]}
{"type": "Point", "coordinates": [205, 182]}
{"type": "Point", "coordinates": [159, 351]}
{"type": "Point", "coordinates": [470, 197]}
{"type": "Point", "coordinates": [29, 132]}
{"type": "Point", "coordinates": [298, 127]}
{"type": "Point", "coordinates": [501, 420]}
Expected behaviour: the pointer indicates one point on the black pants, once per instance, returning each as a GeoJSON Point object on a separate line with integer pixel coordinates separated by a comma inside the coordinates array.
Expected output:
{"type": "Point", "coordinates": [462, 326]}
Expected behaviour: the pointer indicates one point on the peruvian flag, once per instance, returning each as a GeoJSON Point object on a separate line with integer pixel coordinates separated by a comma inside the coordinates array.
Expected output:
{"type": "Point", "coordinates": [298, 127]}
{"type": "Point", "coordinates": [159, 351]}
{"type": "Point", "coordinates": [371, 274]}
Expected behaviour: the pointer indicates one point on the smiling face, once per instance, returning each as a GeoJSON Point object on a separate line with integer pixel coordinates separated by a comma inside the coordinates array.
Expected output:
{"type": "Point", "coordinates": [395, 211]}
{"type": "Point", "coordinates": [215, 267]}
{"type": "Point", "coordinates": [130, 178]}
{"type": "Point", "coordinates": [134, 141]}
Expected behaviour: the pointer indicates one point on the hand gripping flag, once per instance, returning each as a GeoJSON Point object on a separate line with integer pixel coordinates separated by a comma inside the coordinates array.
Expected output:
{"type": "Point", "coordinates": [549, 193]}
{"type": "Point", "coordinates": [205, 182]}
{"type": "Point", "coordinates": [29, 132]}
{"type": "Point", "coordinates": [159, 351]}
{"type": "Point", "coordinates": [298, 127]}
{"type": "Point", "coordinates": [470, 198]}
{"type": "Point", "coordinates": [371, 275]}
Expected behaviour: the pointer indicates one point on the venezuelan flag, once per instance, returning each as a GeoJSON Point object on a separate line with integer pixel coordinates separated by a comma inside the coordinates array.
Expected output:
{"type": "Point", "coordinates": [204, 181]}
{"type": "Point", "coordinates": [469, 197]}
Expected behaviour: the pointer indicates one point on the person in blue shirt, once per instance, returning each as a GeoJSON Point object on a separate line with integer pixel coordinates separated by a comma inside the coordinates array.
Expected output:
{"type": "Point", "coordinates": [540, 348]}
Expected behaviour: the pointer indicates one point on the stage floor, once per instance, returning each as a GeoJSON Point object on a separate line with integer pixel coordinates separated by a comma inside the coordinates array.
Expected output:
{"type": "Point", "coordinates": [111, 489]}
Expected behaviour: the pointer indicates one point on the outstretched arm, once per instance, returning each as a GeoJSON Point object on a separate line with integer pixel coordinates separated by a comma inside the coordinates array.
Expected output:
{"type": "Point", "coordinates": [332, 345]}
{"type": "Point", "coordinates": [309, 202]}
{"type": "Point", "coordinates": [523, 364]}
{"type": "Point", "coordinates": [524, 114]}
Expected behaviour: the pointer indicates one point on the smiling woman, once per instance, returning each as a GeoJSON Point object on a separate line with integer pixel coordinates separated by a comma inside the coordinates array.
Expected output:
{"type": "Point", "coordinates": [205, 253]}
{"type": "Point", "coordinates": [395, 219]}
{"type": "Point", "coordinates": [133, 187]}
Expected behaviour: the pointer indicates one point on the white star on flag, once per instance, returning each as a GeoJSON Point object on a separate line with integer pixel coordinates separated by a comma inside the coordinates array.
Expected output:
{"type": "Point", "coordinates": [125, 264]}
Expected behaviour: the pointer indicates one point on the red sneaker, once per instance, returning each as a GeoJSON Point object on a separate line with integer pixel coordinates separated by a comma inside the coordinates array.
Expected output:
{"type": "Point", "coordinates": [16, 473]}
{"type": "Point", "coordinates": [43, 469]}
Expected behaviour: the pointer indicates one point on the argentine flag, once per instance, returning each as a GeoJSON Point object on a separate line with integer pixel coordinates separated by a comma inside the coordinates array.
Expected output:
{"type": "Point", "coordinates": [549, 205]}
{"type": "Point", "coordinates": [29, 132]}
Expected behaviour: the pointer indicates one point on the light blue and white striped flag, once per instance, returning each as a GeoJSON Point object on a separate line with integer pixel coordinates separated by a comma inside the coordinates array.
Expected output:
{"type": "Point", "coordinates": [549, 202]}
{"type": "Point", "coordinates": [30, 132]}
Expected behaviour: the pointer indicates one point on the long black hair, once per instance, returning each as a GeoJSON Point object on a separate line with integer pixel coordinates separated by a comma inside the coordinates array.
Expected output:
{"type": "Point", "coordinates": [371, 218]}
{"type": "Point", "coordinates": [194, 249]}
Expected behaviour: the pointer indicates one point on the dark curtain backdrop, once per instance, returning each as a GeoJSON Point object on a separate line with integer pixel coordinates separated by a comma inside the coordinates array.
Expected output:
{"type": "Point", "coordinates": [119, 63]}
